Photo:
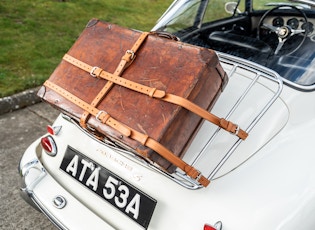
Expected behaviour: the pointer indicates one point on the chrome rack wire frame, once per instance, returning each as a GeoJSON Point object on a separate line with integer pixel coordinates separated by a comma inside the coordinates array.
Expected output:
{"type": "Point", "coordinates": [259, 72]}
{"type": "Point", "coordinates": [179, 176]}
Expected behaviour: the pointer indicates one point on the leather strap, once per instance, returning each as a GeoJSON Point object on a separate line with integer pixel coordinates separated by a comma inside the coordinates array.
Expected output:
{"type": "Point", "coordinates": [159, 94]}
{"type": "Point", "coordinates": [124, 63]}
{"type": "Point", "coordinates": [221, 122]}
{"type": "Point", "coordinates": [105, 118]}
{"type": "Point", "coordinates": [100, 73]}
{"type": "Point", "coordinates": [100, 115]}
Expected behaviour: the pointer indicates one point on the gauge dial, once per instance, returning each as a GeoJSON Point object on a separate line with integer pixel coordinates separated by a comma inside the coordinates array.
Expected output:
{"type": "Point", "coordinates": [293, 23]}
{"type": "Point", "coordinates": [308, 27]}
{"type": "Point", "coordinates": [278, 21]}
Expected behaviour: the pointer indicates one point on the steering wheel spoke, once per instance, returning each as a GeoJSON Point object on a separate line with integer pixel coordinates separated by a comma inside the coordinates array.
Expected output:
{"type": "Point", "coordinates": [280, 44]}
{"type": "Point", "coordinates": [270, 27]}
{"type": "Point", "coordinates": [294, 32]}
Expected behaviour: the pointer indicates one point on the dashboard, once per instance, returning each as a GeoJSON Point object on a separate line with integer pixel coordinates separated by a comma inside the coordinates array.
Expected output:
{"type": "Point", "coordinates": [295, 23]}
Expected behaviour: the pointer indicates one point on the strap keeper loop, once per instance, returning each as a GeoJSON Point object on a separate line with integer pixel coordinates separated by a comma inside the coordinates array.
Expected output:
{"type": "Point", "coordinates": [152, 91]}
{"type": "Point", "coordinates": [144, 139]}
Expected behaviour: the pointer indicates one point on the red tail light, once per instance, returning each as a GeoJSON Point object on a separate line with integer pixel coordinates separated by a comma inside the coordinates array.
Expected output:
{"type": "Point", "coordinates": [53, 130]}
{"type": "Point", "coordinates": [49, 145]}
{"type": "Point", "coordinates": [217, 226]}
{"type": "Point", "coordinates": [208, 227]}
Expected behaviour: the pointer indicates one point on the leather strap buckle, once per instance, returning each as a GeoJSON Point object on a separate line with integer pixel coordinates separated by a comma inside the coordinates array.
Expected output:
{"type": "Point", "coordinates": [237, 130]}
{"type": "Point", "coordinates": [199, 176]}
{"type": "Point", "coordinates": [132, 54]}
{"type": "Point", "coordinates": [92, 71]}
{"type": "Point", "coordinates": [99, 114]}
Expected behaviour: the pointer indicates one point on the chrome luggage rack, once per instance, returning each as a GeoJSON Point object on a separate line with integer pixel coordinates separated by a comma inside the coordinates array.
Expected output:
{"type": "Point", "coordinates": [255, 74]}
{"type": "Point", "coordinates": [235, 67]}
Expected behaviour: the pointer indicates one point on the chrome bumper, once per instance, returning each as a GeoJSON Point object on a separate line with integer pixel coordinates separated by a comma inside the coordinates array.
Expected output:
{"type": "Point", "coordinates": [43, 192]}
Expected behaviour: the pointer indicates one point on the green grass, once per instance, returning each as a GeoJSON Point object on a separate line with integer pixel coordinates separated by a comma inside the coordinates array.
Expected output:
{"type": "Point", "coordinates": [34, 35]}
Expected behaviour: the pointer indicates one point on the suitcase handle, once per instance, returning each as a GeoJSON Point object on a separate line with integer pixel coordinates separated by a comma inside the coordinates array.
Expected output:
{"type": "Point", "coordinates": [165, 35]}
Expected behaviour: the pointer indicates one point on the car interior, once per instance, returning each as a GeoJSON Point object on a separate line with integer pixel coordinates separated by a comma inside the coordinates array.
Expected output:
{"type": "Point", "coordinates": [282, 38]}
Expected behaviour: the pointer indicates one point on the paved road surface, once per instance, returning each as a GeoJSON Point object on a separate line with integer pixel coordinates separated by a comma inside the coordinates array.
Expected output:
{"type": "Point", "coordinates": [18, 130]}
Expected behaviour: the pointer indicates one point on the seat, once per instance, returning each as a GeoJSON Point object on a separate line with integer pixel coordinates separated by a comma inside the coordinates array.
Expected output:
{"type": "Point", "coordinates": [242, 46]}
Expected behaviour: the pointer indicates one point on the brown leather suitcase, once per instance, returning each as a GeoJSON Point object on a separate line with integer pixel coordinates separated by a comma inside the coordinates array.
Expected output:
{"type": "Point", "coordinates": [119, 82]}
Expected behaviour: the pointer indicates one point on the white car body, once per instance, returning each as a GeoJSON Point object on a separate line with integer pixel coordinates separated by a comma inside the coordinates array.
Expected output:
{"type": "Point", "coordinates": [264, 182]}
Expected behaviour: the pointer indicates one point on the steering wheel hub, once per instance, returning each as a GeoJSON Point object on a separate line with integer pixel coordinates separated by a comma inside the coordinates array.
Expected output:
{"type": "Point", "coordinates": [284, 32]}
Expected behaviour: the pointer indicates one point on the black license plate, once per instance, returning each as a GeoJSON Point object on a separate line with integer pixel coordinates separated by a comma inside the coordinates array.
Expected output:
{"type": "Point", "coordinates": [125, 197]}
